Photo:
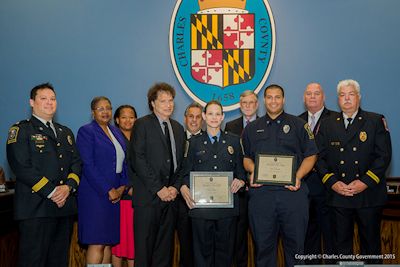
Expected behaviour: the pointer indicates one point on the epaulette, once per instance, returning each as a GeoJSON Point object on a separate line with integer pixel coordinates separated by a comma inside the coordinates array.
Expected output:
{"type": "Point", "coordinates": [19, 123]}
{"type": "Point", "coordinates": [231, 134]}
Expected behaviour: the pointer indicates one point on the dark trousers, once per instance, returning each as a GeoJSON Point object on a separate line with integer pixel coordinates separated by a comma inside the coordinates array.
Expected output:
{"type": "Point", "coordinates": [320, 229]}
{"type": "Point", "coordinates": [213, 242]}
{"type": "Point", "coordinates": [369, 228]}
{"type": "Point", "coordinates": [154, 228]}
{"type": "Point", "coordinates": [241, 255]}
{"type": "Point", "coordinates": [44, 242]}
{"type": "Point", "coordinates": [184, 230]}
{"type": "Point", "coordinates": [278, 211]}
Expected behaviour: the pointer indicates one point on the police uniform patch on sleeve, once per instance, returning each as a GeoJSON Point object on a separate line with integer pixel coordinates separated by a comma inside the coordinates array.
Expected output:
{"type": "Point", "coordinates": [186, 149]}
{"type": "Point", "coordinates": [69, 138]}
{"type": "Point", "coordinates": [12, 135]}
{"type": "Point", "coordinates": [308, 129]}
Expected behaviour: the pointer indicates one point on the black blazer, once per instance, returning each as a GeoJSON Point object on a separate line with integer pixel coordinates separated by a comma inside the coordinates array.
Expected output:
{"type": "Point", "coordinates": [325, 114]}
{"type": "Point", "coordinates": [235, 126]}
{"type": "Point", "coordinates": [313, 180]}
{"type": "Point", "coordinates": [149, 158]}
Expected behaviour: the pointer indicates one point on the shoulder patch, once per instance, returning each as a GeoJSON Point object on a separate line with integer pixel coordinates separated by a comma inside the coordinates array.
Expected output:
{"type": "Point", "coordinates": [385, 124]}
{"type": "Point", "coordinates": [12, 135]}
{"type": "Point", "coordinates": [308, 129]}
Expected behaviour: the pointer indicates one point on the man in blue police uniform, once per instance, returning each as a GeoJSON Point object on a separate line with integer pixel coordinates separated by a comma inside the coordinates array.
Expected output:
{"type": "Point", "coordinates": [355, 151]}
{"type": "Point", "coordinates": [214, 229]}
{"type": "Point", "coordinates": [44, 158]}
{"type": "Point", "coordinates": [193, 122]}
{"type": "Point", "coordinates": [319, 229]}
{"type": "Point", "coordinates": [277, 209]}
{"type": "Point", "coordinates": [248, 108]}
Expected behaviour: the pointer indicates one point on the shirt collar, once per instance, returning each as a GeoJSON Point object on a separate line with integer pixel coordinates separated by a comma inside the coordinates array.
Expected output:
{"type": "Point", "coordinates": [42, 120]}
{"type": "Point", "coordinates": [211, 136]}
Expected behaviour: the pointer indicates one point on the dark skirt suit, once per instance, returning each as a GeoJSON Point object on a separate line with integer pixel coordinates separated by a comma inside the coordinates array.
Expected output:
{"type": "Point", "coordinates": [214, 229]}
{"type": "Point", "coordinates": [98, 218]}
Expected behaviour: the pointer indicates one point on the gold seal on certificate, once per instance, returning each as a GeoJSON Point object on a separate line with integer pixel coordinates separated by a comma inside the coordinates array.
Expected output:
{"type": "Point", "coordinates": [211, 189]}
{"type": "Point", "coordinates": [274, 169]}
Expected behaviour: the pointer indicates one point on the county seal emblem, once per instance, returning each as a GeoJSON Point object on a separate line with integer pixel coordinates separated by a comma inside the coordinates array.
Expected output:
{"type": "Point", "coordinates": [220, 48]}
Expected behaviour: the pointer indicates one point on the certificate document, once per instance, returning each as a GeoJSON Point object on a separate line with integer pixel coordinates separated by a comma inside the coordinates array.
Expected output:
{"type": "Point", "coordinates": [274, 169]}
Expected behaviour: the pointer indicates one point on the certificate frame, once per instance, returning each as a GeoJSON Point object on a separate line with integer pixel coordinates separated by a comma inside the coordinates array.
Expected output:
{"type": "Point", "coordinates": [274, 169]}
{"type": "Point", "coordinates": [211, 189]}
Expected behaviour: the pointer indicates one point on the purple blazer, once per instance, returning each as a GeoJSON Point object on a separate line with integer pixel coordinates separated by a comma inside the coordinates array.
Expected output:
{"type": "Point", "coordinates": [98, 218]}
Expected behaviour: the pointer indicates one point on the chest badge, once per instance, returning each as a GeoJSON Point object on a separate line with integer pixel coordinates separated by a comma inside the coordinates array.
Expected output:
{"type": "Point", "coordinates": [363, 136]}
{"type": "Point", "coordinates": [230, 150]}
{"type": "Point", "coordinates": [286, 128]}
{"type": "Point", "coordinates": [69, 138]}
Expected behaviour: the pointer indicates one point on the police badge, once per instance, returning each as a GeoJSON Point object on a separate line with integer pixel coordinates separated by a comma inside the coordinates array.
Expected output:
{"type": "Point", "coordinates": [221, 48]}
{"type": "Point", "coordinates": [363, 136]}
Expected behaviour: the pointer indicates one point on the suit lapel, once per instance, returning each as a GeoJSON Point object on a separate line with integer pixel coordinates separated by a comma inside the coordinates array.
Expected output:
{"type": "Point", "coordinates": [161, 134]}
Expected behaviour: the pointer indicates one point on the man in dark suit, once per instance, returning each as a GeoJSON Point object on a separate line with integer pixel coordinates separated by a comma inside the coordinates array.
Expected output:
{"type": "Point", "coordinates": [355, 151]}
{"type": "Point", "coordinates": [248, 108]}
{"type": "Point", "coordinates": [156, 155]}
{"type": "Point", "coordinates": [319, 223]}
{"type": "Point", "coordinates": [46, 163]}
{"type": "Point", "coordinates": [193, 123]}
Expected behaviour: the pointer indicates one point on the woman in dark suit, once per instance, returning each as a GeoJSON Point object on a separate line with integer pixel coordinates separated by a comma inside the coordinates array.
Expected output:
{"type": "Point", "coordinates": [104, 176]}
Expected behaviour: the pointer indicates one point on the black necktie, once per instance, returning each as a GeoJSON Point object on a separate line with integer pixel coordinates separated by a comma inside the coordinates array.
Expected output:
{"type": "Point", "coordinates": [349, 122]}
{"type": "Point", "coordinates": [168, 139]}
{"type": "Point", "coordinates": [215, 144]}
{"type": "Point", "coordinates": [53, 134]}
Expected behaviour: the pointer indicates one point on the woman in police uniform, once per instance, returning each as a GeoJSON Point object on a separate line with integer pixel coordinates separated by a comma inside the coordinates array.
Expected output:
{"type": "Point", "coordinates": [214, 150]}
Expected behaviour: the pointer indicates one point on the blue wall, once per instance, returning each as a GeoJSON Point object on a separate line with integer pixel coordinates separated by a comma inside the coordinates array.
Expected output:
{"type": "Point", "coordinates": [120, 48]}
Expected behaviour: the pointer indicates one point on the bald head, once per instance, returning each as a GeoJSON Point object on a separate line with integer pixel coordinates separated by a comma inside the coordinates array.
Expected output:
{"type": "Point", "coordinates": [314, 97]}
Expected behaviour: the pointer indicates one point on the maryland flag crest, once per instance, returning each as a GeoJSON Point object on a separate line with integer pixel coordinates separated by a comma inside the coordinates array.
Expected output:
{"type": "Point", "coordinates": [220, 48]}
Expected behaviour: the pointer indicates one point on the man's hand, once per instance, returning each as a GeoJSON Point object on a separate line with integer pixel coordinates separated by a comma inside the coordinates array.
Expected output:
{"type": "Point", "coordinates": [113, 195]}
{"type": "Point", "coordinates": [60, 195]}
{"type": "Point", "coordinates": [296, 186]}
{"type": "Point", "coordinates": [164, 194]}
{"type": "Point", "coordinates": [357, 187]}
{"type": "Point", "coordinates": [236, 185]}
{"type": "Point", "coordinates": [173, 192]}
{"type": "Point", "coordinates": [251, 178]}
{"type": "Point", "coordinates": [342, 189]}
{"type": "Point", "coordinates": [185, 191]}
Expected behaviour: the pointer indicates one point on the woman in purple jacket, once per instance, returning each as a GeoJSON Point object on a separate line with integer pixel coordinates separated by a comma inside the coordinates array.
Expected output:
{"type": "Point", "coordinates": [104, 176]}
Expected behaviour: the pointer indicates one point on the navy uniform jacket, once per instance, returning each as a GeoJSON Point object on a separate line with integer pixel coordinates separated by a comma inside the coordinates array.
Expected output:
{"type": "Point", "coordinates": [41, 163]}
{"type": "Point", "coordinates": [363, 152]}
{"type": "Point", "coordinates": [287, 134]}
{"type": "Point", "coordinates": [202, 156]}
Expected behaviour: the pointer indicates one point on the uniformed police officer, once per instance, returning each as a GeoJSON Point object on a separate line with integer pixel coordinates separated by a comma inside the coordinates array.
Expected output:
{"type": "Point", "coordinates": [44, 158]}
{"type": "Point", "coordinates": [275, 209]}
{"type": "Point", "coordinates": [355, 151]}
{"type": "Point", "coordinates": [214, 229]}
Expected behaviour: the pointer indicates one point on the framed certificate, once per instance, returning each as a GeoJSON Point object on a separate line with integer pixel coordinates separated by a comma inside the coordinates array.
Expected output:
{"type": "Point", "coordinates": [274, 169]}
{"type": "Point", "coordinates": [211, 189]}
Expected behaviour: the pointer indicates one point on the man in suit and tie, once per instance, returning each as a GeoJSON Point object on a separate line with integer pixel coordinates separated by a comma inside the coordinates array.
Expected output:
{"type": "Point", "coordinates": [319, 222]}
{"type": "Point", "coordinates": [355, 152]}
{"type": "Point", "coordinates": [193, 122]}
{"type": "Point", "coordinates": [248, 107]}
{"type": "Point", "coordinates": [156, 154]}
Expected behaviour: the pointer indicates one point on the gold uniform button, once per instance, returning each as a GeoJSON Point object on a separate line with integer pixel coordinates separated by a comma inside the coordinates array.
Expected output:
{"type": "Point", "coordinates": [215, 156]}
{"type": "Point", "coordinates": [199, 160]}
{"type": "Point", "coordinates": [354, 149]}
{"type": "Point", "coordinates": [341, 149]}
{"type": "Point", "coordinates": [60, 156]}
{"type": "Point", "coordinates": [357, 175]}
{"type": "Point", "coordinates": [215, 167]}
{"type": "Point", "coordinates": [342, 162]}
{"type": "Point", "coordinates": [61, 182]}
{"type": "Point", "coordinates": [61, 168]}
{"type": "Point", "coordinates": [356, 162]}
{"type": "Point", "coordinates": [58, 144]}
{"type": "Point", "coordinates": [343, 175]}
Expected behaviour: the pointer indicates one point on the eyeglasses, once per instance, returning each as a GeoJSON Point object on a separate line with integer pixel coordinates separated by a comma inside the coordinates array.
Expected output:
{"type": "Point", "coordinates": [102, 109]}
